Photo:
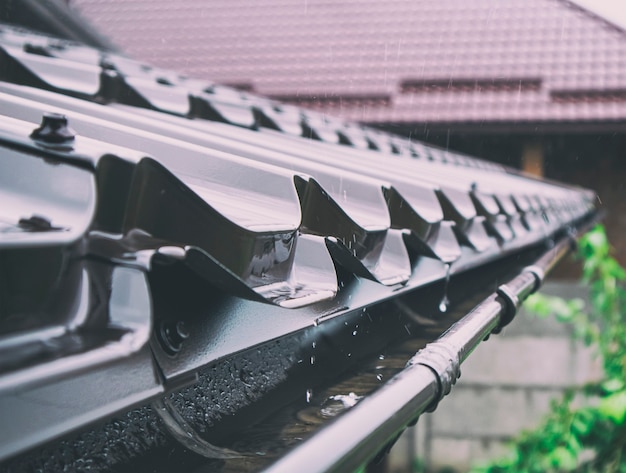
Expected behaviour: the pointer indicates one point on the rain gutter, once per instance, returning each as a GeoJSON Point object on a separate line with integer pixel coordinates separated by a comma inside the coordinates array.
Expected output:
{"type": "Point", "coordinates": [356, 437]}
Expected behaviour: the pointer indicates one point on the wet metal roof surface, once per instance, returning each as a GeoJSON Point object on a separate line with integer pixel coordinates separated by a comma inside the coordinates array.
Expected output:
{"type": "Point", "coordinates": [267, 188]}
{"type": "Point", "coordinates": [401, 61]}
{"type": "Point", "coordinates": [155, 225]}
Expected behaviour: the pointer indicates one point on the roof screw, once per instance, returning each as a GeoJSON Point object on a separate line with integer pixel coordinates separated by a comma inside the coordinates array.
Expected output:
{"type": "Point", "coordinates": [53, 129]}
{"type": "Point", "coordinates": [172, 335]}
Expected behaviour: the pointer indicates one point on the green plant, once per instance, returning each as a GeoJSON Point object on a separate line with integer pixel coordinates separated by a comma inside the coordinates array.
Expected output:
{"type": "Point", "coordinates": [585, 431]}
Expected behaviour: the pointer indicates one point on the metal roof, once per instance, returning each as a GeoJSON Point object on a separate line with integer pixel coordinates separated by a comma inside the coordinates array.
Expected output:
{"type": "Point", "coordinates": [155, 227]}
{"type": "Point", "coordinates": [421, 62]}
{"type": "Point", "coordinates": [266, 189]}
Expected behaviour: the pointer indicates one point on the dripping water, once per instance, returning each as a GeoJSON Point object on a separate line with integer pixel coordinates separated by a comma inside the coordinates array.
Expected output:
{"type": "Point", "coordinates": [445, 302]}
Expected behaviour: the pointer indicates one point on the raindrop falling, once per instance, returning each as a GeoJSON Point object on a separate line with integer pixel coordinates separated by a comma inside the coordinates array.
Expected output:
{"type": "Point", "coordinates": [445, 302]}
{"type": "Point", "coordinates": [381, 357]}
{"type": "Point", "coordinates": [354, 333]}
{"type": "Point", "coordinates": [443, 305]}
{"type": "Point", "coordinates": [314, 344]}
{"type": "Point", "coordinates": [312, 359]}
{"type": "Point", "coordinates": [309, 395]}
{"type": "Point", "coordinates": [379, 377]}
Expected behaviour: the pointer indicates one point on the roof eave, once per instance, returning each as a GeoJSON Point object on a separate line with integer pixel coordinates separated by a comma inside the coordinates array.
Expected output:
{"type": "Point", "coordinates": [509, 127]}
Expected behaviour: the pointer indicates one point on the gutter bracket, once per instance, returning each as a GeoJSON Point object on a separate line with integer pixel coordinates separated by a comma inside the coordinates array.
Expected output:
{"type": "Point", "coordinates": [445, 363]}
{"type": "Point", "coordinates": [515, 292]}
{"type": "Point", "coordinates": [539, 274]}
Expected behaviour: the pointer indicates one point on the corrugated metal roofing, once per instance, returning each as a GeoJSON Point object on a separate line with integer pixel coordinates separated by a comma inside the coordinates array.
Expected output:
{"type": "Point", "coordinates": [267, 189]}
{"type": "Point", "coordinates": [270, 188]}
{"type": "Point", "coordinates": [156, 174]}
{"type": "Point", "coordinates": [389, 62]}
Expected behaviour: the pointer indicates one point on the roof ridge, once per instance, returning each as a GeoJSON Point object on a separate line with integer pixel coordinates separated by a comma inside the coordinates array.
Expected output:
{"type": "Point", "coordinates": [595, 16]}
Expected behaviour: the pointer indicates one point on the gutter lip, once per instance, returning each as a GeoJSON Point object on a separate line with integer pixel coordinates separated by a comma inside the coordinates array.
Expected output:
{"type": "Point", "coordinates": [356, 437]}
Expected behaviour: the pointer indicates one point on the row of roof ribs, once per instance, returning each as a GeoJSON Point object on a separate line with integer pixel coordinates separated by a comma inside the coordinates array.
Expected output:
{"type": "Point", "coordinates": [256, 202]}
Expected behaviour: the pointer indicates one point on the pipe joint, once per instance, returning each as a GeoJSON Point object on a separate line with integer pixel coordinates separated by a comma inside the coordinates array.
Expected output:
{"type": "Point", "coordinates": [513, 294]}
{"type": "Point", "coordinates": [538, 273]}
{"type": "Point", "coordinates": [445, 363]}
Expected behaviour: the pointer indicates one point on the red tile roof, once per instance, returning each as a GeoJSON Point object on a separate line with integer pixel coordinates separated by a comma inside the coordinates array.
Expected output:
{"type": "Point", "coordinates": [401, 61]}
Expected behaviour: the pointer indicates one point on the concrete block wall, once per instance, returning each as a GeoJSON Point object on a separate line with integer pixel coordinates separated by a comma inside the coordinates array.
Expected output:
{"type": "Point", "coordinates": [507, 384]}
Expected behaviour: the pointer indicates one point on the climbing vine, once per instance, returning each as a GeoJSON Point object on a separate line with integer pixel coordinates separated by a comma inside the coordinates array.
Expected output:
{"type": "Point", "coordinates": [585, 430]}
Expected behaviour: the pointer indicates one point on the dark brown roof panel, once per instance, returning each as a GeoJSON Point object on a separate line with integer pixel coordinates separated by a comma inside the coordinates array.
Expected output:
{"type": "Point", "coordinates": [458, 61]}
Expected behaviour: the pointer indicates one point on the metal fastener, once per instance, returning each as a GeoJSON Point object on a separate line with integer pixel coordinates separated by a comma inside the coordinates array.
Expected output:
{"type": "Point", "coordinates": [171, 336]}
{"type": "Point", "coordinates": [54, 129]}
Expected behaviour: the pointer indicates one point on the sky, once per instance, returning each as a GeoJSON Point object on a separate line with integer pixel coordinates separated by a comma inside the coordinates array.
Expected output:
{"type": "Point", "coordinates": [613, 10]}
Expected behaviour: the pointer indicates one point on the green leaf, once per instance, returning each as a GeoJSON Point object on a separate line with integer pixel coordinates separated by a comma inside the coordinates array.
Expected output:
{"type": "Point", "coordinates": [563, 459]}
{"type": "Point", "coordinates": [538, 304]}
{"type": "Point", "coordinates": [614, 407]}
{"type": "Point", "coordinates": [613, 385]}
{"type": "Point", "coordinates": [596, 241]}
{"type": "Point", "coordinates": [581, 426]}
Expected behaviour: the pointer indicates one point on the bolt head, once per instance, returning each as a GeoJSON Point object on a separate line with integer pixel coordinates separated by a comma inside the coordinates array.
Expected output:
{"type": "Point", "coordinates": [182, 331]}
{"type": "Point", "coordinates": [171, 335]}
{"type": "Point", "coordinates": [53, 129]}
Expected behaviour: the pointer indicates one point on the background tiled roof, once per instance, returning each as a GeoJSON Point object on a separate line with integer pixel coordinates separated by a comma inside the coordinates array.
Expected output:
{"type": "Point", "coordinates": [412, 61]}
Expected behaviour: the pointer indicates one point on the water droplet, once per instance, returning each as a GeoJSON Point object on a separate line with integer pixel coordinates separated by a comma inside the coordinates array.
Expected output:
{"type": "Point", "coordinates": [354, 333]}
{"type": "Point", "coordinates": [309, 395]}
{"type": "Point", "coordinates": [379, 377]}
{"type": "Point", "coordinates": [337, 404]}
{"type": "Point", "coordinates": [381, 357]}
{"type": "Point", "coordinates": [408, 330]}
{"type": "Point", "coordinates": [312, 359]}
{"type": "Point", "coordinates": [314, 344]}
{"type": "Point", "coordinates": [349, 355]}
{"type": "Point", "coordinates": [443, 305]}
{"type": "Point", "coordinates": [445, 302]}
{"type": "Point", "coordinates": [316, 322]}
